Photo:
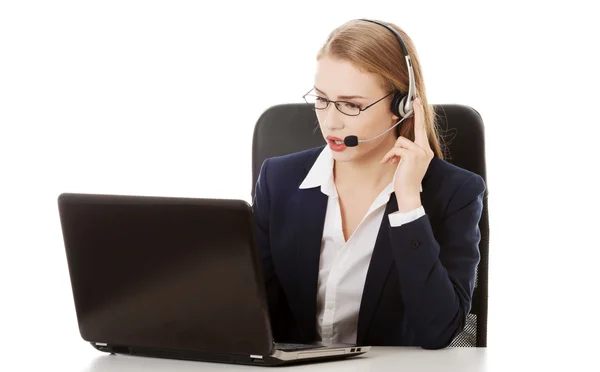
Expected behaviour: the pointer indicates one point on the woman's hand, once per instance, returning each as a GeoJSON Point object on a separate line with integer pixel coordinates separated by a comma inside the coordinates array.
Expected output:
{"type": "Point", "coordinates": [413, 159]}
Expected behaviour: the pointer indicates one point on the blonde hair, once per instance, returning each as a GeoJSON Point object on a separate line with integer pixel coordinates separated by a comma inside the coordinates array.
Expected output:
{"type": "Point", "coordinates": [374, 49]}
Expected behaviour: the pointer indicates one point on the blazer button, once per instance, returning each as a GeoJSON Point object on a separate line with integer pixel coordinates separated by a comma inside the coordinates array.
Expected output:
{"type": "Point", "coordinates": [415, 243]}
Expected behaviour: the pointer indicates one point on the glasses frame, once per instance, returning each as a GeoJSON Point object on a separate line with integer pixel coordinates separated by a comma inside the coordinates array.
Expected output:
{"type": "Point", "coordinates": [338, 102]}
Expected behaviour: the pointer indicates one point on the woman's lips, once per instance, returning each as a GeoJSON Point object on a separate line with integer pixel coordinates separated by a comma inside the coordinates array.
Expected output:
{"type": "Point", "coordinates": [335, 143]}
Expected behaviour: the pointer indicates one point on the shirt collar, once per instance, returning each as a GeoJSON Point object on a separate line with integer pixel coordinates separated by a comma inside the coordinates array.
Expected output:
{"type": "Point", "coordinates": [321, 175]}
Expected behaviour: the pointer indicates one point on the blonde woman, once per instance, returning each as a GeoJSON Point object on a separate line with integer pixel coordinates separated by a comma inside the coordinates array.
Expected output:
{"type": "Point", "coordinates": [372, 239]}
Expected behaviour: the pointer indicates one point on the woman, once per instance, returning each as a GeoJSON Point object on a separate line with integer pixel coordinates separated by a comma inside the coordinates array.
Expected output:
{"type": "Point", "coordinates": [376, 243]}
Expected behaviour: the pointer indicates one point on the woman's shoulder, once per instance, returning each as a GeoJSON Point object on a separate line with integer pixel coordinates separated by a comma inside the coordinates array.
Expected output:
{"type": "Point", "coordinates": [443, 170]}
{"type": "Point", "coordinates": [289, 170]}
{"type": "Point", "coordinates": [446, 184]}
{"type": "Point", "coordinates": [296, 160]}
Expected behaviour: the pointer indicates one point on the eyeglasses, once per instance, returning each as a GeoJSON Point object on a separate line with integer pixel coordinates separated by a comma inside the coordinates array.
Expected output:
{"type": "Point", "coordinates": [345, 107]}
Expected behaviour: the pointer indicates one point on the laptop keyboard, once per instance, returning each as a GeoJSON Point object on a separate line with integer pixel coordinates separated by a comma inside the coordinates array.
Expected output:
{"type": "Point", "coordinates": [293, 347]}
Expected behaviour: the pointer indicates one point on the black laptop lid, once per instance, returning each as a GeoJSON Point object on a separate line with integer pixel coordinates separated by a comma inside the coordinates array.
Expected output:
{"type": "Point", "coordinates": [165, 273]}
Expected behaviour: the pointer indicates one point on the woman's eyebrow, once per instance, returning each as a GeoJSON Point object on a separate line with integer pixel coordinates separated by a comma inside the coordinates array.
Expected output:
{"type": "Point", "coordinates": [340, 97]}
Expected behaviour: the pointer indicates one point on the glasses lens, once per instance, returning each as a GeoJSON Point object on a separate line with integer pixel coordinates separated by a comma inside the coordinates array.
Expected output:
{"type": "Point", "coordinates": [319, 102]}
{"type": "Point", "coordinates": [348, 108]}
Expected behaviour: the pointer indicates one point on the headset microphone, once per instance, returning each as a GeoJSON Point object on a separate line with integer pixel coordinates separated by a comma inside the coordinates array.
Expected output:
{"type": "Point", "coordinates": [351, 141]}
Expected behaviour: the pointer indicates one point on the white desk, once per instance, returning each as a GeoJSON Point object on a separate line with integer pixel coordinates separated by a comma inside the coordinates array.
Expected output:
{"type": "Point", "coordinates": [378, 359]}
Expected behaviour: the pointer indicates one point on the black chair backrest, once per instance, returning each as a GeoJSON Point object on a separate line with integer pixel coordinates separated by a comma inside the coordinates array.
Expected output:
{"type": "Point", "coordinates": [289, 128]}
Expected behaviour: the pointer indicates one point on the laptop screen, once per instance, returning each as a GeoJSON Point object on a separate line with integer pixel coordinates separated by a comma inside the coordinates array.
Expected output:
{"type": "Point", "coordinates": [165, 273]}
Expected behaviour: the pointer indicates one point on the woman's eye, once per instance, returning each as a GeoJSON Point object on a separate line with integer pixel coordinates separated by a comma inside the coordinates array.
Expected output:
{"type": "Point", "coordinates": [321, 99]}
{"type": "Point", "coordinates": [351, 105]}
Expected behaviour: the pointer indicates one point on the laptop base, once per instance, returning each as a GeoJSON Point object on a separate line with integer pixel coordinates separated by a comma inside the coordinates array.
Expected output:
{"type": "Point", "coordinates": [278, 357]}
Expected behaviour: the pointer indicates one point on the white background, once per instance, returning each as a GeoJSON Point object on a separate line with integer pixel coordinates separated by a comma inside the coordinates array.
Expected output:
{"type": "Point", "coordinates": [160, 98]}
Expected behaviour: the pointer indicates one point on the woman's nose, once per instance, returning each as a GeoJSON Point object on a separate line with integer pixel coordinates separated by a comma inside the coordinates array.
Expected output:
{"type": "Point", "coordinates": [332, 118]}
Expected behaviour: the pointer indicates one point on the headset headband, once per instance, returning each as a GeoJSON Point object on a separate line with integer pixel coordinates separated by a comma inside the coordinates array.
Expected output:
{"type": "Point", "coordinates": [405, 105]}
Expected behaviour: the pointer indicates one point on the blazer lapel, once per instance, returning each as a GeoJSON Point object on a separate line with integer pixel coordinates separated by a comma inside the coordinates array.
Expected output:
{"type": "Point", "coordinates": [308, 207]}
{"type": "Point", "coordinates": [382, 259]}
{"type": "Point", "coordinates": [379, 268]}
{"type": "Point", "coordinates": [305, 212]}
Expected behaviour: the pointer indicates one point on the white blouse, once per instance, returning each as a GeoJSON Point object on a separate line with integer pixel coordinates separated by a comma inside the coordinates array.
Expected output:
{"type": "Point", "coordinates": [343, 264]}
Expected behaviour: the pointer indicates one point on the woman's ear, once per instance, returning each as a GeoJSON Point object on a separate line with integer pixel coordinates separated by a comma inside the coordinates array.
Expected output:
{"type": "Point", "coordinates": [395, 118]}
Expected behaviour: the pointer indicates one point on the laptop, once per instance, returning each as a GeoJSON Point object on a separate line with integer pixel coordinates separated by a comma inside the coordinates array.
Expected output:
{"type": "Point", "coordinates": [175, 278]}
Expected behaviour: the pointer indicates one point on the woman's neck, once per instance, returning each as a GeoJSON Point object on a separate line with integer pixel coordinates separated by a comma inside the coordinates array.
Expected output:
{"type": "Point", "coordinates": [366, 172]}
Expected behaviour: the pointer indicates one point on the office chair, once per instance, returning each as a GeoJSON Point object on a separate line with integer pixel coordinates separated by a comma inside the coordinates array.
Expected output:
{"type": "Point", "coordinates": [288, 128]}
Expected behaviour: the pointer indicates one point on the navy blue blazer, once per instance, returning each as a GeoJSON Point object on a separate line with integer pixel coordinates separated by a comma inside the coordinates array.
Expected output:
{"type": "Point", "coordinates": [421, 276]}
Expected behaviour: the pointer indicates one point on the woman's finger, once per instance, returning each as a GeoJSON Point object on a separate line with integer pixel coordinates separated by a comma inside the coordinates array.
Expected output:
{"type": "Point", "coordinates": [396, 151]}
{"type": "Point", "coordinates": [419, 127]}
{"type": "Point", "coordinates": [405, 142]}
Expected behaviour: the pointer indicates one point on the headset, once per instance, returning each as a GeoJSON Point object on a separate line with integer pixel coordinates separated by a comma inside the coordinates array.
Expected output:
{"type": "Point", "coordinates": [402, 104]}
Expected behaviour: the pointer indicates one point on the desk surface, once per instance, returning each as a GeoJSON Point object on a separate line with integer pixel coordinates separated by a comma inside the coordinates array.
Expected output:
{"type": "Point", "coordinates": [378, 359]}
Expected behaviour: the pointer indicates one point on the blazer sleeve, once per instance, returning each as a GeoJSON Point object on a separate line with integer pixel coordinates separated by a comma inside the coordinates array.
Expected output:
{"type": "Point", "coordinates": [437, 277]}
{"type": "Point", "coordinates": [279, 312]}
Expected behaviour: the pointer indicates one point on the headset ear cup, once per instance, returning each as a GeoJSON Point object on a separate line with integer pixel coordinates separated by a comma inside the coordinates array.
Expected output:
{"type": "Point", "coordinates": [398, 104]}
